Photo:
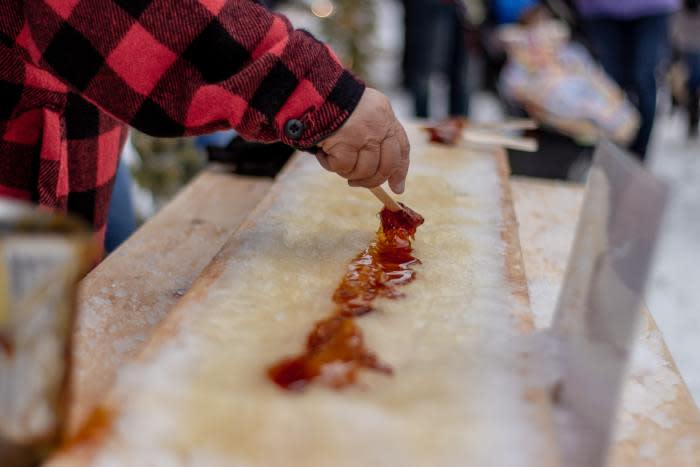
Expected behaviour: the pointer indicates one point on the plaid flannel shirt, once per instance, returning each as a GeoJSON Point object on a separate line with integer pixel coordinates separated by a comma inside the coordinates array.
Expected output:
{"type": "Point", "coordinates": [74, 73]}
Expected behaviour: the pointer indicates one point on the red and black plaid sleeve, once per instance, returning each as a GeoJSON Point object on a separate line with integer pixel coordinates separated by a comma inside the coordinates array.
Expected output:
{"type": "Point", "coordinates": [73, 72]}
{"type": "Point", "coordinates": [172, 68]}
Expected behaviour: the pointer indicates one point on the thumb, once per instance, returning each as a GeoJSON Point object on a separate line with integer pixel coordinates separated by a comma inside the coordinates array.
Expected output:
{"type": "Point", "coordinates": [397, 179]}
{"type": "Point", "coordinates": [397, 183]}
{"type": "Point", "coordinates": [322, 158]}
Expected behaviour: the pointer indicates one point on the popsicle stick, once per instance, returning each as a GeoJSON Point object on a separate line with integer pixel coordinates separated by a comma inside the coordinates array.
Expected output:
{"type": "Point", "coordinates": [384, 197]}
{"type": "Point", "coordinates": [508, 125]}
{"type": "Point", "coordinates": [522, 144]}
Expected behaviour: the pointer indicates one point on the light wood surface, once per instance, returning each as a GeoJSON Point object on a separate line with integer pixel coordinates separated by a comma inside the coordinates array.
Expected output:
{"type": "Point", "coordinates": [133, 289]}
{"type": "Point", "coordinates": [659, 424]}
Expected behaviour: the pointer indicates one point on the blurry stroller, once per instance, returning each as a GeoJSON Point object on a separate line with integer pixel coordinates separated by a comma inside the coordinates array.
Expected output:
{"type": "Point", "coordinates": [555, 81]}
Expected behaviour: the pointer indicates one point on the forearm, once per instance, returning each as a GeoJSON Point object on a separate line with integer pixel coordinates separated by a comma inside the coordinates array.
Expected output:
{"type": "Point", "coordinates": [188, 67]}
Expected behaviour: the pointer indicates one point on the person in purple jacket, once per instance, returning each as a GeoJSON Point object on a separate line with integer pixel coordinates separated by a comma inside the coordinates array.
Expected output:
{"type": "Point", "coordinates": [630, 37]}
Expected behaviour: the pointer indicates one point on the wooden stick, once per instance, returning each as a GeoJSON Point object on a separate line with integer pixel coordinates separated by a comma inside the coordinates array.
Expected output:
{"type": "Point", "coordinates": [384, 197]}
{"type": "Point", "coordinates": [480, 137]}
{"type": "Point", "coordinates": [514, 124]}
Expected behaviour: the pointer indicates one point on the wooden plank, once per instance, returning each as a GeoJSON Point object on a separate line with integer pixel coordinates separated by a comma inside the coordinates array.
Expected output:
{"type": "Point", "coordinates": [134, 288]}
{"type": "Point", "coordinates": [461, 396]}
{"type": "Point", "coordinates": [659, 425]}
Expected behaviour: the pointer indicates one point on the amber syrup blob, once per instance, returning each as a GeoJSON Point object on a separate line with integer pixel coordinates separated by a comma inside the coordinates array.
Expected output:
{"type": "Point", "coordinates": [335, 349]}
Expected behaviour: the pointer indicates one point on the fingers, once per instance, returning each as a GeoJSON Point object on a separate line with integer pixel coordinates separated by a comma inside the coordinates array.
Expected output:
{"type": "Point", "coordinates": [367, 162]}
{"type": "Point", "coordinates": [397, 179]}
{"type": "Point", "coordinates": [389, 156]}
{"type": "Point", "coordinates": [322, 159]}
{"type": "Point", "coordinates": [341, 159]}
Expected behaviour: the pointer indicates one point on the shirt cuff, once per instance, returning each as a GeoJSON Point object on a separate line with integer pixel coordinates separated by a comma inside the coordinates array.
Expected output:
{"type": "Point", "coordinates": [306, 130]}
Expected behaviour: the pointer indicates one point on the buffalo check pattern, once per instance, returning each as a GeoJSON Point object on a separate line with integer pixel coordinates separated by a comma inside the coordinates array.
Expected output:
{"type": "Point", "coordinates": [75, 73]}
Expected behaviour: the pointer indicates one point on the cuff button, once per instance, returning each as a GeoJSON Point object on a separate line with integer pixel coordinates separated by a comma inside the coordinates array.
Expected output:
{"type": "Point", "coordinates": [293, 129]}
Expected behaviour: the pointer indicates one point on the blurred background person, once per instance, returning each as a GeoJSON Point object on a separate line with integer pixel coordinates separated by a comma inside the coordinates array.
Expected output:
{"type": "Point", "coordinates": [630, 38]}
{"type": "Point", "coordinates": [686, 39]}
{"type": "Point", "coordinates": [121, 217]}
{"type": "Point", "coordinates": [435, 38]}
{"type": "Point", "coordinates": [511, 11]}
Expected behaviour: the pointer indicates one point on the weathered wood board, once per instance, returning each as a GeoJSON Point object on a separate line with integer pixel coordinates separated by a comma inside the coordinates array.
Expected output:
{"type": "Point", "coordinates": [198, 394]}
{"type": "Point", "coordinates": [659, 424]}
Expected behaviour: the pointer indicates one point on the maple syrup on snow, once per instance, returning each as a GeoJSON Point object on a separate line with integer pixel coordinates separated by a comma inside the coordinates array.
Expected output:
{"type": "Point", "coordinates": [335, 349]}
{"type": "Point", "coordinates": [447, 131]}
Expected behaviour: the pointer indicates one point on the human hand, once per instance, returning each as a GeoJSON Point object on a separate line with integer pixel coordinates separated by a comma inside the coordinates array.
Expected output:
{"type": "Point", "coordinates": [371, 147]}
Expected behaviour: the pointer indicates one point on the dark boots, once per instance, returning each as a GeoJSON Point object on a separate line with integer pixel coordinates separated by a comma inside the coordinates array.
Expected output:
{"type": "Point", "coordinates": [693, 115]}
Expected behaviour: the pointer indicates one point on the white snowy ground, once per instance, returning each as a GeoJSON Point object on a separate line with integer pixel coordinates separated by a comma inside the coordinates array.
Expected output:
{"type": "Point", "coordinates": [674, 292]}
